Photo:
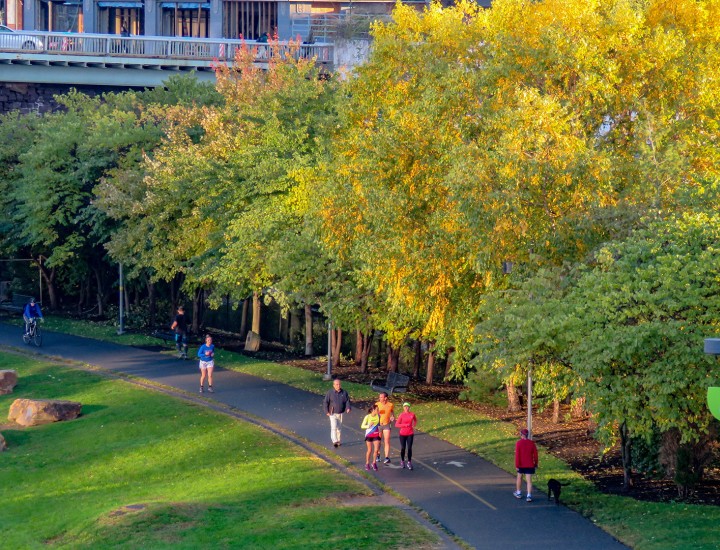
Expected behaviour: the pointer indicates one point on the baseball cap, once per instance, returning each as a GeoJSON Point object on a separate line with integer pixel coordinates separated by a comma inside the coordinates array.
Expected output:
{"type": "Point", "coordinates": [406, 404]}
{"type": "Point", "coordinates": [524, 432]}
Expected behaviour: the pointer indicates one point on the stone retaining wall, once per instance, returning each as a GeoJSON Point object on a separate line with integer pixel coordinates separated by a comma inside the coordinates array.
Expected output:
{"type": "Point", "coordinates": [39, 98]}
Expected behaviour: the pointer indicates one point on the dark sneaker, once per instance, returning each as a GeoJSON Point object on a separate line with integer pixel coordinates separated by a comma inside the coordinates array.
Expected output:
{"type": "Point", "coordinates": [201, 389]}
{"type": "Point", "coordinates": [210, 389]}
{"type": "Point", "coordinates": [335, 444]}
{"type": "Point", "coordinates": [409, 465]}
{"type": "Point", "coordinates": [375, 466]}
{"type": "Point", "coordinates": [402, 464]}
{"type": "Point", "coordinates": [387, 460]}
{"type": "Point", "coordinates": [529, 498]}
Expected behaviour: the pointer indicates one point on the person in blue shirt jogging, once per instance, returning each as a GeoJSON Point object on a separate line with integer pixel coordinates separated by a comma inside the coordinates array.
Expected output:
{"type": "Point", "coordinates": [206, 353]}
{"type": "Point", "coordinates": [31, 311]}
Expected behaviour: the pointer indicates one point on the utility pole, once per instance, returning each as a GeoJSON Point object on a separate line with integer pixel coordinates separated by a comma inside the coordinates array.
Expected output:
{"type": "Point", "coordinates": [122, 301]}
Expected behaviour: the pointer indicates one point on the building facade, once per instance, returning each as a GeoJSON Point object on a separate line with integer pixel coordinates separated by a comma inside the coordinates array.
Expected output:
{"type": "Point", "coordinates": [249, 19]}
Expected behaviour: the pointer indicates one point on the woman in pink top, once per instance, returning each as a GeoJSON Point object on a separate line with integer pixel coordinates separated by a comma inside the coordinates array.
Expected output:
{"type": "Point", "coordinates": [406, 423]}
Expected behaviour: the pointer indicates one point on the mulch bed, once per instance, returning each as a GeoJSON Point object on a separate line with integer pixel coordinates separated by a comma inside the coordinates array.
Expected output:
{"type": "Point", "coordinates": [570, 440]}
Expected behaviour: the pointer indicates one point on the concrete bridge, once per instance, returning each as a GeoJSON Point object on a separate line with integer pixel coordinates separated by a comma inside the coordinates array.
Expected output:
{"type": "Point", "coordinates": [33, 57]}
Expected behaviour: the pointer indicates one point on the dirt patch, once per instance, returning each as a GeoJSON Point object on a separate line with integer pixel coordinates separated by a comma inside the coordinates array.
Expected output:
{"type": "Point", "coordinates": [571, 440]}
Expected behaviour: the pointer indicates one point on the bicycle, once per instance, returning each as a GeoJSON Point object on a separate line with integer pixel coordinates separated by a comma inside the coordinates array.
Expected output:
{"type": "Point", "coordinates": [34, 333]}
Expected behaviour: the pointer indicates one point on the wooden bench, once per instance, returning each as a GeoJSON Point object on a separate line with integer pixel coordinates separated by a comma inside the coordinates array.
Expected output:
{"type": "Point", "coordinates": [17, 303]}
{"type": "Point", "coordinates": [394, 383]}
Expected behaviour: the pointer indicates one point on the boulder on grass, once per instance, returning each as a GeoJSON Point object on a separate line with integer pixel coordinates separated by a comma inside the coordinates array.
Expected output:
{"type": "Point", "coordinates": [8, 380]}
{"type": "Point", "coordinates": [34, 412]}
{"type": "Point", "coordinates": [3, 445]}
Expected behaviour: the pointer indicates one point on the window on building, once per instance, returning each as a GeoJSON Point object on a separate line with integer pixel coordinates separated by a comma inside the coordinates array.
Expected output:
{"type": "Point", "coordinates": [249, 20]}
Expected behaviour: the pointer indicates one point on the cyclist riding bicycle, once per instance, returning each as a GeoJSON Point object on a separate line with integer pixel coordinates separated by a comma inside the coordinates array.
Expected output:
{"type": "Point", "coordinates": [31, 311]}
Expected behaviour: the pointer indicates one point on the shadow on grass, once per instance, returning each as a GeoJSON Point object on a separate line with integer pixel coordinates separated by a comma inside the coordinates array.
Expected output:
{"type": "Point", "coordinates": [16, 437]}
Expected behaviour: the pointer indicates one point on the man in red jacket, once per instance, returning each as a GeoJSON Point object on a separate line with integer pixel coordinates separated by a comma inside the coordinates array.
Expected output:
{"type": "Point", "coordinates": [526, 460]}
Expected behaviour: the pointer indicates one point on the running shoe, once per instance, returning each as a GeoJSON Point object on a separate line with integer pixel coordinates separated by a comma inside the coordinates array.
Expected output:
{"type": "Point", "coordinates": [517, 494]}
{"type": "Point", "coordinates": [210, 389]}
{"type": "Point", "coordinates": [402, 464]}
{"type": "Point", "coordinates": [409, 465]}
{"type": "Point", "coordinates": [387, 460]}
{"type": "Point", "coordinates": [529, 498]}
{"type": "Point", "coordinates": [367, 467]}
{"type": "Point", "coordinates": [375, 466]}
{"type": "Point", "coordinates": [201, 389]}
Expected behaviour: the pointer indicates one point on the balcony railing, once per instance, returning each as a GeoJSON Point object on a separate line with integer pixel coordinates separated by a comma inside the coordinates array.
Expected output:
{"type": "Point", "coordinates": [156, 47]}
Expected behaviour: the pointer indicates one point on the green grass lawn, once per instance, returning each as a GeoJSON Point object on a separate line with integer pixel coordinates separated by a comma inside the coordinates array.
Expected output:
{"type": "Point", "coordinates": [642, 525]}
{"type": "Point", "coordinates": [141, 469]}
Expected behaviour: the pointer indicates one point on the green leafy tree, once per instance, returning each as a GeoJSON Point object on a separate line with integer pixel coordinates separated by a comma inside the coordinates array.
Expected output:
{"type": "Point", "coordinates": [638, 322]}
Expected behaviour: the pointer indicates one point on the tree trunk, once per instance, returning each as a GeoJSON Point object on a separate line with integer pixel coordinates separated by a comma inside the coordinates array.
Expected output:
{"type": "Point", "coordinates": [556, 411]}
{"type": "Point", "coordinates": [126, 297]}
{"type": "Point", "coordinates": [284, 327]}
{"type": "Point", "coordinates": [98, 291]}
{"type": "Point", "coordinates": [336, 345]}
{"type": "Point", "coordinates": [308, 330]}
{"type": "Point", "coordinates": [513, 397]}
{"type": "Point", "coordinates": [81, 297]}
{"type": "Point", "coordinates": [197, 303]}
{"type": "Point", "coordinates": [152, 300]}
{"type": "Point", "coordinates": [430, 371]}
{"type": "Point", "coordinates": [577, 408]}
{"type": "Point", "coordinates": [449, 363]}
{"type": "Point", "coordinates": [48, 276]}
{"type": "Point", "coordinates": [256, 313]}
{"type": "Point", "coordinates": [417, 359]}
{"type": "Point", "coordinates": [378, 359]}
{"type": "Point", "coordinates": [392, 358]}
{"type": "Point", "coordinates": [625, 450]}
{"type": "Point", "coordinates": [365, 353]}
{"type": "Point", "coordinates": [294, 326]}
{"type": "Point", "coordinates": [243, 318]}
{"type": "Point", "coordinates": [358, 346]}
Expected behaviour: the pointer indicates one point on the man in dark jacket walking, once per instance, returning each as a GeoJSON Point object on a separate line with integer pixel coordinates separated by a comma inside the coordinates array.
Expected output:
{"type": "Point", "coordinates": [336, 402]}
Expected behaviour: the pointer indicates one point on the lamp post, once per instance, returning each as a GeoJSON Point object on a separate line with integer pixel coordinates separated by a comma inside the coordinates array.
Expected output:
{"type": "Point", "coordinates": [529, 403]}
{"type": "Point", "coordinates": [121, 291]}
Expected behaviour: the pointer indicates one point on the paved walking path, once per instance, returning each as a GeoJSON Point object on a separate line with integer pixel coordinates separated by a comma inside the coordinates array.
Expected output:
{"type": "Point", "coordinates": [469, 496]}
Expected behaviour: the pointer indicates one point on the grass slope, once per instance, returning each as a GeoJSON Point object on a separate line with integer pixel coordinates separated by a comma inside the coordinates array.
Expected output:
{"type": "Point", "coordinates": [140, 469]}
{"type": "Point", "coordinates": [641, 525]}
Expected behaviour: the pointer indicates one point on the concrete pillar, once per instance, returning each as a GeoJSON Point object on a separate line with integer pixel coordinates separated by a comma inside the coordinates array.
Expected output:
{"type": "Point", "coordinates": [89, 16]}
{"type": "Point", "coordinates": [284, 21]}
{"type": "Point", "coordinates": [152, 18]}
{"type": "Point", "coordinates": [29, 14]}
{"type": "Point", "coordinates": [216, 15]}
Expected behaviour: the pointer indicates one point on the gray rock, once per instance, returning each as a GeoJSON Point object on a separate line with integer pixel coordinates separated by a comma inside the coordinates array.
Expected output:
{"type": "Point", "coordinates": [8, 380]}
{"type": "Point", "coordinates": [34, 412]}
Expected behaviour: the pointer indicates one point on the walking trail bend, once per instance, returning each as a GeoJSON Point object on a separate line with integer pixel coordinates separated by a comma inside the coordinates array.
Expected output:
{"type": "Point", "coordinates": [464, 493]}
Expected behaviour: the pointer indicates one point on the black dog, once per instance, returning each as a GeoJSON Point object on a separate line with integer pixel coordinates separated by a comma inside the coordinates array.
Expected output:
{"type": "Point", "coordinates": [554, 488]}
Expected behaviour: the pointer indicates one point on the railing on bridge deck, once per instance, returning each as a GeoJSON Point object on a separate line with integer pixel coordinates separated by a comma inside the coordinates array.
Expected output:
{"type": "Point", "coordinates": [156, 47]}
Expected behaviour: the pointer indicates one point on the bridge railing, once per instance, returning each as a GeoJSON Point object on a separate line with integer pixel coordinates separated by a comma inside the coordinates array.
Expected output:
{"type": "Point", "coordinates": [162, 47]}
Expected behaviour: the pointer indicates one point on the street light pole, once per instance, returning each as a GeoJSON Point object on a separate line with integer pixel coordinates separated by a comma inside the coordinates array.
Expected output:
{"type": "Point", "coordinates": [121, 292]}
{"type": "Point", "coordinates": [529, 403]}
